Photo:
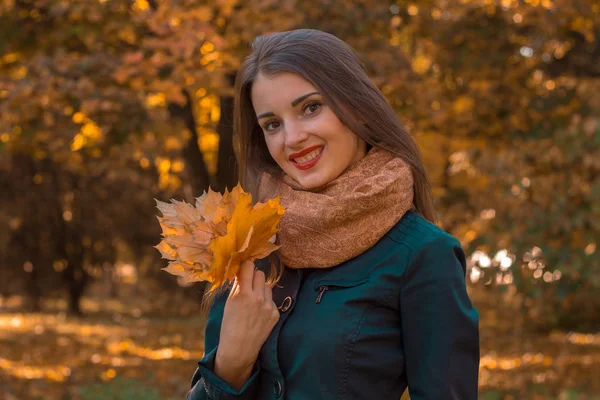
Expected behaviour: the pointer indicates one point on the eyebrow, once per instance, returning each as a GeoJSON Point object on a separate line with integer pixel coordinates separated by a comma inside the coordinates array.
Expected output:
{"type": "Point", "coordinates": [294, 104]}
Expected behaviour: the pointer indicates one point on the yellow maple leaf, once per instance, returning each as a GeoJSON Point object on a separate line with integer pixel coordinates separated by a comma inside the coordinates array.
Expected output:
{"type": "Point", "coordinates": [248, 236]}
{"type": "Point", "coordinates": [209, 241]}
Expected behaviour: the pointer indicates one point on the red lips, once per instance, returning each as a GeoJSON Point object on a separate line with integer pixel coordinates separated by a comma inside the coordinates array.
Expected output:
{"type": "Point", "coordinates": [308, 164]}
{"type": "Point", "coordinates": [304, 152]}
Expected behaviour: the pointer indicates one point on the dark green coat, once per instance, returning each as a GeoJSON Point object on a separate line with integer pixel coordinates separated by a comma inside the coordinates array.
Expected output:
{"type": "Point", "coordinates": [398, 315]}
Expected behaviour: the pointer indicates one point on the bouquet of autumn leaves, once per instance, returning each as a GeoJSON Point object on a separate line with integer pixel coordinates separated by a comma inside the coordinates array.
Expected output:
{"type": "Point", "coordinates": [209, 241]}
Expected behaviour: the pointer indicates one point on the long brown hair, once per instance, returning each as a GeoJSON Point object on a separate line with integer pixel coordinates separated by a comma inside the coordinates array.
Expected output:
{"type": "Point", "coordinates": [332, 67]}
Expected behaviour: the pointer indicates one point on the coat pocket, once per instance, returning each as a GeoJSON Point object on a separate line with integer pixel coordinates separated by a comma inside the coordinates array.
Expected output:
{"type": "Point", "coordinates": [325, 285]}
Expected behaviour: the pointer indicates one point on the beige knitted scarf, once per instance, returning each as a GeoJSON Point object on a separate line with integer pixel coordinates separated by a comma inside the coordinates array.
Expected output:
{"type": "Point", "coordinates": [344, 218]}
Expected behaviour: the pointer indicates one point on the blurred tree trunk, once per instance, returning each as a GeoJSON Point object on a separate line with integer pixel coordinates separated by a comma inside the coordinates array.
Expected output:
{"type": "Point", "coordinates": [76, 275]}
{"type": "Point", "coordinates": [226, 164]}
{"type": "Point", "coordinates": [30, 235]}
{"type": "Point", "coordinates": [69, 239]}
{"type": "Point", "coordinates": [71, 243]}
{"type": "Point", "coordinates": [33, 285]}
{"type": "Point", "coordinates": [197, 171]}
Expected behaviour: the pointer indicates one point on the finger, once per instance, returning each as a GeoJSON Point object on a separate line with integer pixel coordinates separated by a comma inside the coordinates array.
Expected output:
{"type": "Point", "coordinates": [268, 294]}
{"type": "Point", "coordinates": [246, 276]}
{"type": "Point", "coordinates": [259, 283]}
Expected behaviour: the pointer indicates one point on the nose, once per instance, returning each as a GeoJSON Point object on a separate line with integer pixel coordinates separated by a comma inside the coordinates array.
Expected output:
{"type": "Point", "coordinates": [295, 134]}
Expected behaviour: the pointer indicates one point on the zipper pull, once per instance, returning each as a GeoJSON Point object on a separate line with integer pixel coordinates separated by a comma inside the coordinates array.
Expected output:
{"type": "Point", "coordinates": [322, 290]}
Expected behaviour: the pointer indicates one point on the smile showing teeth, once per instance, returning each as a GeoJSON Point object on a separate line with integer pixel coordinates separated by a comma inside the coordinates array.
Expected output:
{"type": "Point", "coordinates": [308, 157]}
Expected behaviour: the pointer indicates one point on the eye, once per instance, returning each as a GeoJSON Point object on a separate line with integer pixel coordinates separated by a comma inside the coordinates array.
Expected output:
{"type": "Point", "coordinates": [271, 125]}
{"type": "Point", "coordinates": [312, 107]}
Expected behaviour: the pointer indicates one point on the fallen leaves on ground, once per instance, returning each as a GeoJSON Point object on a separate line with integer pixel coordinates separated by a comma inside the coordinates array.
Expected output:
{"type": "Point", "coordinates": [51, 356]}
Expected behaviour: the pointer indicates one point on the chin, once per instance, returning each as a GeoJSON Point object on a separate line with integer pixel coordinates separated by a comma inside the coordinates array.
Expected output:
{"type": "Point", "coordinates": [311, 183]}
{"type": "Point", "coordinates": [311, 179]}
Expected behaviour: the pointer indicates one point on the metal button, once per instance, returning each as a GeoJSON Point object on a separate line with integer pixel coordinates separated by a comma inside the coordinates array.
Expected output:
{"type": "Point", "coordinates": [277, 389]}
{"type": "Point", "coordinates": [286, 304]}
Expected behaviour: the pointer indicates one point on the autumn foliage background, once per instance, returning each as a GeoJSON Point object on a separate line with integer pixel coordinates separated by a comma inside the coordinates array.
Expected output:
{"type": "Point", "coordinates": [108, 104]}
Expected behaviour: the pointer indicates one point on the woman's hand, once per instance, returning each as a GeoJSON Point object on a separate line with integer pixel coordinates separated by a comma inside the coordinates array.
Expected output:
{"type": "Point", "coordinates": [249, 317]}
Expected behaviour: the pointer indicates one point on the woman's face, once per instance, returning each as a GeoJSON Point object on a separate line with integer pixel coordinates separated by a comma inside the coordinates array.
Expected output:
{"type": "Point", "coordinates": [304, 136]}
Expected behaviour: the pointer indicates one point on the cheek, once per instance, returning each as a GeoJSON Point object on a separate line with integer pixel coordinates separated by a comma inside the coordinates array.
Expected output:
{"type": "Point", "coordinates": [274, 146]}
{"type": "Point", "coordinates": [335, 131]}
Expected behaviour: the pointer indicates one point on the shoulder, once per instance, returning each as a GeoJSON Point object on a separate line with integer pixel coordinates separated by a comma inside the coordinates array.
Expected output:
{"type": "Point", "coordinates": [423, 239]}
{"type": "Point", "coordinates": [415, 232]}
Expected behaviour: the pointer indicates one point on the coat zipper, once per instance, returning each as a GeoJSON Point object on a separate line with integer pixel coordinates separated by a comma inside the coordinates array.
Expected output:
{"type": "Point", "coordinates": [322, 290]}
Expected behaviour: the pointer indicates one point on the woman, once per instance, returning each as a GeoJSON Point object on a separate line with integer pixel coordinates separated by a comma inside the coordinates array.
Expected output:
{"type": "Point", "coordinates": [372, 297]}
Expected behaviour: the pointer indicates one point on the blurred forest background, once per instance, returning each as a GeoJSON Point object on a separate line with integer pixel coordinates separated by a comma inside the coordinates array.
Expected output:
{"type": "Point", "coordinates": [106, 105]}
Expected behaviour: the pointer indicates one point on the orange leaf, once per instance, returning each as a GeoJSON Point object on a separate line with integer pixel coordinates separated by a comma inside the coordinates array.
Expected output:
{"type": "Point", "coordinates": [208, 203]}
{"type": "Point", "coordinates": [166, 251]}
{"type": "Point", "coordinates": [247, 237]}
